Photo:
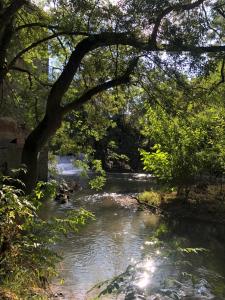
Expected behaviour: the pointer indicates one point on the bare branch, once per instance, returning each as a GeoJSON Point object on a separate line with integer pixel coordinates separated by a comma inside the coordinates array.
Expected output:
{"type": "Point", "coordinates": [222, 71]}
{"type": "Point", "coordinates": [158, 23]}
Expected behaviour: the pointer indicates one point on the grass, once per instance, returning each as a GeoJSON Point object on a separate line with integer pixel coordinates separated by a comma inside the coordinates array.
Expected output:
{"type": "Point", "coordinates": [207, 204]}
{"type": "Point", "coordinates": [150, 197]}
{"type": "Point", "coordinates": [210, 194]}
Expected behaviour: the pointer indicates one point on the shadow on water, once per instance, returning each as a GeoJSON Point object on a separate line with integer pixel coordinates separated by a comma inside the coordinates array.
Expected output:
{"type": "Point", "coordinates": [142, 256]}
{"type": "Point", "coordinates": [175, 264]}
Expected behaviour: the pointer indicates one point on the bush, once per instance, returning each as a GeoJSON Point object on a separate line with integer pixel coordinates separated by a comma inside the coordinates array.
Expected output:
{"type": "Point", "coordinates": [186, 146]}
{"type": "Point", "coordinates": [26, 260]}
{"type": "Point", "coordinates": [150, 197]}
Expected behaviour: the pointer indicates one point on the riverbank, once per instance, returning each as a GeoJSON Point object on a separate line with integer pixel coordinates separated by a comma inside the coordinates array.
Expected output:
{"type": "Point", "coordinates": [120, 235]}
{"type": "Point", "coordinates": [202, 204]}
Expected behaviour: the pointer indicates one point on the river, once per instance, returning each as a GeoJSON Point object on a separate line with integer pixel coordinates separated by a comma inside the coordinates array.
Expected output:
{"type": "Point", "coordinates": [153, 255]}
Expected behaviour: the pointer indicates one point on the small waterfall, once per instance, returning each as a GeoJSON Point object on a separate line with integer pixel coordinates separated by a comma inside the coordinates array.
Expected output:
{"type": "Point", "coordinates": [66, 165]}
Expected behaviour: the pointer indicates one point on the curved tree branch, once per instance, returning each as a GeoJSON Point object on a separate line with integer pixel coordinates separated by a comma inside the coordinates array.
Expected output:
{"type": "Point", "coordinates": [110, 38]}
{"type": "Point", "coordinates": [123, 79]}
{"type": "Point", "coordinates": [93, 42]}
{"type": "Point", "coordinates": [41, 41]}
{"type": "Point", "coordinates": [167, 11]}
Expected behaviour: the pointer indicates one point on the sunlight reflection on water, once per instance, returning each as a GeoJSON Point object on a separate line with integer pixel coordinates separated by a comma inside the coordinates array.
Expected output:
{"type": "Point", "coordinates": [147, 268]}
{"type": "Point", "coordinates": [121, 238]}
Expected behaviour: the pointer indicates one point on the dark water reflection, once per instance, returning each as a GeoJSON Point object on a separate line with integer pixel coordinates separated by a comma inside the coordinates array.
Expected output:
{"type": "Point", "coordinates": [120, 237]}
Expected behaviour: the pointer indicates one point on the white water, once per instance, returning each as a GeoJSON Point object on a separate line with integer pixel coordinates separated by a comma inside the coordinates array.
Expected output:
{"type": "Point", "coordinates": [66, 166]}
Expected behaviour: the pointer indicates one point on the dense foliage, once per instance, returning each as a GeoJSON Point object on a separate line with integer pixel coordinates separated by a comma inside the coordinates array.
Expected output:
{"type": "Point", "coordinates": [26, 258]}
{"type": "Point", "coordinates": [188, 135]}
{"type": "Point", "coordinates": [67, 68]}
{"type": "Point", "coordinates": [94, 52]}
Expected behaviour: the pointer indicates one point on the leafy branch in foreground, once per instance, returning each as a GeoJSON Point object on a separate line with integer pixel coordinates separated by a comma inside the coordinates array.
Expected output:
{"type": "Point", "coordinates": [26, 258]}
{"type": "Point", "coordinates": [168, 266]}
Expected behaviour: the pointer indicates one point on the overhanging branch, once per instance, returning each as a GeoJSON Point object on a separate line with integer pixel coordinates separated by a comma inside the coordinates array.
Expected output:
{"type": "Point", "coordinates": [41, 41]}
{"type": "Point", "coordinates": [123, 79]}
{"type": "Point", "coordinates": [125, 38]}
{"type": "Point", "coordinates": [167, 11]}
{"type": "Point", "coordinates": [105, 39]}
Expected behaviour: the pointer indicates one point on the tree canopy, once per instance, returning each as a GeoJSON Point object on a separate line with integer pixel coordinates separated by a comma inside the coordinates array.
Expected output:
{"type": "Point", "coordinates": [99, 46]}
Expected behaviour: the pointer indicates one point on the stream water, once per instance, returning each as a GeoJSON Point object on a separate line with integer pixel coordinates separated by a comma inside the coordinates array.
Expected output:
{"type": "Point", "coordinates": [148, 257]}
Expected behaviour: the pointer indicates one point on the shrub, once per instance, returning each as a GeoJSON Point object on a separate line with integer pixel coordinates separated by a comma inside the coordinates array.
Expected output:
{"type": "Point", "coordinates": [186, 146]}
{"type": "Point", "coordinates": [150, 197]}
{"type": "Point", "coordinates": [26, 260]}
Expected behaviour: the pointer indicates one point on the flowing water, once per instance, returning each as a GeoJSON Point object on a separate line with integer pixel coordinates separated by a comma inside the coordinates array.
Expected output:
{"type": "Point", "coordinates": [142, 255]}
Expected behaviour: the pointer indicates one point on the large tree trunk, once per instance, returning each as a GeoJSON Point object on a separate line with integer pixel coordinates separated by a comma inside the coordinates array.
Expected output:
{"type": "Point", "coordinates": [33, 145]}
{"type": "Point", "coordinates": [30, 160]}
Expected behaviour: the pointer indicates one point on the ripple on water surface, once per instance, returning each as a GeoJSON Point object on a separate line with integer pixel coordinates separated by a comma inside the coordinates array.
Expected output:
{"type": "Point", "coordinates": [119, 238]}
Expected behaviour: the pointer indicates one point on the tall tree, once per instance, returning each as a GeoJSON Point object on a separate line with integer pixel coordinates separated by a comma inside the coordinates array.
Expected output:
{"type": "Point", "coordinates": [133, 31]}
